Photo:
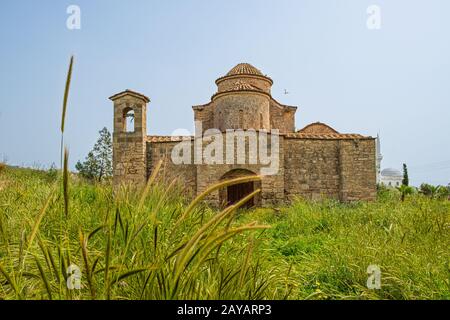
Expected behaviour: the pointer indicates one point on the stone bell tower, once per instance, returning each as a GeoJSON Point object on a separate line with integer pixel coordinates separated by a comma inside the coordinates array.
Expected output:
{"type": "Point", "coordinates": [129, 138]}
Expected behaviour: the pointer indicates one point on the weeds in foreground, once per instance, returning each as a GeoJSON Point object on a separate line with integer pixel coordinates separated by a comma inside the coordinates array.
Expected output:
{"type": "Point", "coordinates": [135, 245]}
{"type": "Point", "coordinates": [130, 246]}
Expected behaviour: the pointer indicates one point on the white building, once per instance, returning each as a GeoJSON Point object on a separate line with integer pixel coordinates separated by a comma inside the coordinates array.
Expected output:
{"type": "Point", "coordinates": [391, 177]}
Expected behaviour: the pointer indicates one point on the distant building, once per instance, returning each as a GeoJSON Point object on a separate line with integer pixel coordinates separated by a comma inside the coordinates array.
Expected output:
{"type": "Point", "coordinates": [391, 177]}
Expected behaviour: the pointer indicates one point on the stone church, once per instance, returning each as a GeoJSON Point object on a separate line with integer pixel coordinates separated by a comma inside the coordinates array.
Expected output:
{"type": "Point", "coordinates": [314, 162]}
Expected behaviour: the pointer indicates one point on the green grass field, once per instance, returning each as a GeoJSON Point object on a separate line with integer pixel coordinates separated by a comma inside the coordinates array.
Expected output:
{"type": "Point", "coordinates": [152, 246]}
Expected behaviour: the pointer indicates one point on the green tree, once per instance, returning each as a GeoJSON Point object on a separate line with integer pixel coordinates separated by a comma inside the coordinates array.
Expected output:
{"type": "Point", "coordinates": [437, 192]}
{"type": "Point", "coordinates": [98, 163]}
{"type": "Point", "coordinates": [405, 180]}
{"type": "Point", "coordinates": [428, 189]}
{"type": "Point", "coordinates": [404, 191]}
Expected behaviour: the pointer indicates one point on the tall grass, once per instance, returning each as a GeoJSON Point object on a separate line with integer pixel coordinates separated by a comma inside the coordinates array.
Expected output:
{"type": "Point", "coordinates": [64, 105]}
{"type": "Point", "coordinates": [127, 247]}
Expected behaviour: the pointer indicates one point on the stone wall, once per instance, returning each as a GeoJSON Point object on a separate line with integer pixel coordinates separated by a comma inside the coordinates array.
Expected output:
{"type": "Point", "coordinates": [282, 117]}
{"type": "Point", "coordinates": [241, 110]}
{"type": "Point", "coordinates": [198, 177]}
{"type": "Point", "coordinates": [342, 169]}
{"type": "Point", "coordinates": [185, 174]}
{"type": "Point", "coordinates": [312, 168]}
{"type": "Point", "coordinates": [357, 167]}
{"type": "Point", "coordinates": [204, 114]}
{"type": "Point", "coordinates": [272, 185]}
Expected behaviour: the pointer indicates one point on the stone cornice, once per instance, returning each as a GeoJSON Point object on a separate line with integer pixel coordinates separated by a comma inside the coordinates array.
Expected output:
{"type": "Point", "coordinates": [240, 76]}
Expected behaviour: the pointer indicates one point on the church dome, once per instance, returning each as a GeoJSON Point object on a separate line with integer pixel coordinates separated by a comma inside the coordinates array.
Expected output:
{"type": "Point", "coordinates": [245, 73]}
{"type": "Point", "coordinates": [390, 172]}
{"type": "Point", "coordinates": [244, 68]}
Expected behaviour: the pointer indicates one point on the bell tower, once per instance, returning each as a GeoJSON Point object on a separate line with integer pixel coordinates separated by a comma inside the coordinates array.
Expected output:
{"type": "Point", "coordinates": [129, 138]}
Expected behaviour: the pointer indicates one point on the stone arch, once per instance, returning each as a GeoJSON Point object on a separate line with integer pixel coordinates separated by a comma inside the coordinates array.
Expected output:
{"type": "Point", "coordinates": [232, 194]}
{"type": "Point", "coordinates": [128, 119]}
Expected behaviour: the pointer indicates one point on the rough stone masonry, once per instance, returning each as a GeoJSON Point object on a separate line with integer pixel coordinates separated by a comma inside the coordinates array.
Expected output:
{"type": "Point", "coordinates": [314, 162]}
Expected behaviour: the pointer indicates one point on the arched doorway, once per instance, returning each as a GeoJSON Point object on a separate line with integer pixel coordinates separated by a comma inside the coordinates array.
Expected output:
{"type": "Point", "coordinates": [232, 194]}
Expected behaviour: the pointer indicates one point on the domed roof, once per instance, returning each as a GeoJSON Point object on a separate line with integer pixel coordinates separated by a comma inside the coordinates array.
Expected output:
{"type": "Point", "coordinates": [244, 68]}
{"type": "Point", "coordinates": [390, 172]}
{"type": "Point", "coordinates": [318, 128]}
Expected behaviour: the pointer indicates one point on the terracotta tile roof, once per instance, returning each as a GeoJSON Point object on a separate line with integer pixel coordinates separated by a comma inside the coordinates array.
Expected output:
{"type": "Point", "coordinates": [240, 86]}
{"type": "Point", "coordinates": [317, 128]}
{"type": "Point", "coordinates": [326, 136]}
{"type": "Point", "coordinates": [131, 93]}
{"type": "Point", "coordinates": [154, 139]}
{"type": "Point", "coordinates": [295, 135]}
{"type": "Point", "coordinates": [244, 68]}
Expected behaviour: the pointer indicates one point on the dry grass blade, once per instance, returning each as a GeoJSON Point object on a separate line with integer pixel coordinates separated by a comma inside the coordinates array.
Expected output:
{"type": "Point", "coordinates": [44, 278]}
{"type": "Point", "coordinates": [184, 254]}
{"type": "Point", "coordinates": [107, 265]}
{"type": "Point", "coordinates": [66, 94]}
{"type": "Point", "coordinates": [53, 264]}
{"type": "Point", "coordinates": [219, 239]}
{"type": "Point", "coordinates": [10, 280]}
{"type": "Point", "coordinates": [39, 219]}
{"type": "Point", "coordinates": [83, 243]}
{"type": "Point", "coordinates": [149, 183]}
{"type": "Point", "coordinates": [94, 232]}
{"type": "Point", "coordinates": [66, 182]}
{"type": "Point", "coordinates": [213, 188]}
{"type": "Point", "coordinates": [132, 272]}
{"type": "Point", "coordinates": [244, 268]}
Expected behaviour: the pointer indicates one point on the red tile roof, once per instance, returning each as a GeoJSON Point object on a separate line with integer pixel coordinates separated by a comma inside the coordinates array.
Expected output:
{"type": "Point", "coordinates": [295, 135]}
{"type": "Point", "coordinates": [131, 93]}
{"type": "Point", "coordinates": [326, 136]}
{"type": "Point", "coordinates": [154, 139]}
{"type": "Point", "coordinates": [244, 68]}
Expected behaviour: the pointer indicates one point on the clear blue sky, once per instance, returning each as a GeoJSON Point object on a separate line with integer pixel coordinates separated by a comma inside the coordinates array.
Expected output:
{"type": "Point", "coordinates": [395, 81]}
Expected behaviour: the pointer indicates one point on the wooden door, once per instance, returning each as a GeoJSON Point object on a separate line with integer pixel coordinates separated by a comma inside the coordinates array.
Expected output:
{"type": "Point", "coordinates": [239, 191]}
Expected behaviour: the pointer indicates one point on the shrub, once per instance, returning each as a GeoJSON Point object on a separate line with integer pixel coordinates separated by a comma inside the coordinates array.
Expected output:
{"type": "Point", "coordinates": [52, 173]}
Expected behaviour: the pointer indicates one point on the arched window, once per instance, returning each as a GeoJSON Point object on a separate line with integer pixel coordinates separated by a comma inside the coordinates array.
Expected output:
{"type": "Point", "coordinates": [241, 119]}
{"type": "Point", "coordinates": [128, 120]}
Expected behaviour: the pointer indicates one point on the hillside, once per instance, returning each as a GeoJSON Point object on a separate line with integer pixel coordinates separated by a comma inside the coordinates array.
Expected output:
{"type": "Point", "coordinates": [154, 247]}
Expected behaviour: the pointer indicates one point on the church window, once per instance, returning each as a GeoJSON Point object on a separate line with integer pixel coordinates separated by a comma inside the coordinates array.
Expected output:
{"type": "Point", "coordinates": [128, 120]}
{"type": "Point", "coordinates": [241, 119]}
